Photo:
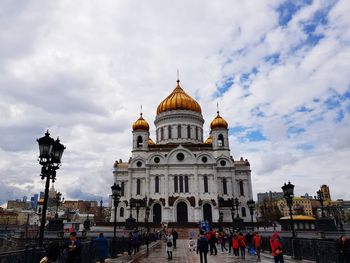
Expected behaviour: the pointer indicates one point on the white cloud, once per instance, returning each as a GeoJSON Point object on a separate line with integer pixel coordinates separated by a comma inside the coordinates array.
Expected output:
{"type": "Point", "coordinates": [82, 70]}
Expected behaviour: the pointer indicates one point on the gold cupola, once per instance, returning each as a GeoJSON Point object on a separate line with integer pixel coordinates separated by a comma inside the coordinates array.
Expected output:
{"type": "Point", "coordinates": [218, 122]}
{"type": "Point", "coordinates": [179, 100]}
{"type": "Point", "coordinates": [140, 124]}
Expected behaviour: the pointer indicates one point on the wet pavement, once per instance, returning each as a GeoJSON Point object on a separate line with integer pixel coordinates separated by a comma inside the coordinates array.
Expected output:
{"type": "Point", "coordinates": [181, 254]}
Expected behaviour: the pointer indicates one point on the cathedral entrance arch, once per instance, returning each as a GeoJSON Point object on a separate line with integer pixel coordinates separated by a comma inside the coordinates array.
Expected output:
{"type": "Point", "coordinates": [182, 213]}
{"type": "Point", "coordinates": [157, 214]}
{"type": "Point", "coordinates": [207, 214]}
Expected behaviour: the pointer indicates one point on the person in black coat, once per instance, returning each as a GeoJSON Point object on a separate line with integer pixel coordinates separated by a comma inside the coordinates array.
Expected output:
{"type": "Point", "coordinates": [343, 247]}
{"type": "Point", "coordinates": [175, 237]}
{"type": "Point", "coordinates": [202, 247]}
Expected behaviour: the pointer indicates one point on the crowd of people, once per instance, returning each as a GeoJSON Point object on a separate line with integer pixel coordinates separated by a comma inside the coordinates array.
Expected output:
{"type": "Point", "coordinates": [233, 243]}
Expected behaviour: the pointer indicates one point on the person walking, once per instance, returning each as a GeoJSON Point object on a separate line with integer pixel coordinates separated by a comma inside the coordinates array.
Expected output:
{"type": "Point", "coordinates": [175, 237]}
{"type": "Point", "coordinates": [134, 242]}
{"type": "Point", "coordinates": [229, 240]}
{"type": "Point", "coordinates": [276, 248]}
{"type": "Point", "coordinates": [242, 244]}
{"type": "Point", "coordinates": [256, 243]}
{"type": "Point", "coordinates": [248, 238]}
{"type": "Point", "coordinates": [74, 249]}
{"type": "Point", "coordinates": [235, 245]}
{"type": "Point", "coordinates": [102, 247]}
{"type": "Point", "coordinates": [202, 247]}
{"type": "Point", "coordinates": [222, 240]}
{"type": "Point", "coordinates": [343, 247]}
{"type": "Point", "coordinates": [169, 245]}
{"type": "Point", "coordinates": [212, 242]}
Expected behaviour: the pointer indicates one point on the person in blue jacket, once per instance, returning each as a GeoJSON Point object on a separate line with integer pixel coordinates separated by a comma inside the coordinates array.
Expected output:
{"type": "Point", "coordinates": [102, 248]}
{"type": "Point", "coordinates": [202, 247]}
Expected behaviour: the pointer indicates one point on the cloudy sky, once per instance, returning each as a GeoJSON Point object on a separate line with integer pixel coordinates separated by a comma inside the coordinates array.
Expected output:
{"type": "Point", "coordinates": [280, 71]}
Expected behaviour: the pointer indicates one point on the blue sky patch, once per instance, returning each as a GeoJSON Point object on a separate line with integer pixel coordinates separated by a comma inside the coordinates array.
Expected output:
{"type": "Point", "coordinates": [222, 88]}
{"type": "Point", "coordinates": [237, 129]}
{"type": "Point", "coordinates": [305, 147]}
{"type": "Point", "coordinates": [303, 109]}
{"type": "Point", "coordinates": [288, 8]}
{"type": "Point", "coordinates": [255, 136]}
{"type": "Point", "coordinates": [273, 58]}
{"type": "Point", "coordinates": [295, 130]}
{"type": "Point", "coordinates": [340, 116]}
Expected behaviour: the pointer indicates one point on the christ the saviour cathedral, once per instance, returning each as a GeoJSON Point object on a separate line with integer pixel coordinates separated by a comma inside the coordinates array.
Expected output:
{"type": "Point", "coordinates": [180, 177]}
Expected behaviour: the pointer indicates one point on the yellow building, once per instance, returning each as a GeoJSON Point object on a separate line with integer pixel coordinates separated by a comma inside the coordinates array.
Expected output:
{"type": "Point", "coordinates": [301, 206]}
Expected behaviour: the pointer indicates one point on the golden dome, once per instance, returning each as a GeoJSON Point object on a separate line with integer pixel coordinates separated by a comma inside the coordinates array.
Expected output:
{"type": "Point", "coordinates": [218, 122]}
{"type": "Point", "coordinates": [140, 124]}
{"type": "Point", "coordinates": [209, 140]}
{"type": "Point", "coordinates": [150, 141]}
{"type": "Point", "coordinates": [178, 100]}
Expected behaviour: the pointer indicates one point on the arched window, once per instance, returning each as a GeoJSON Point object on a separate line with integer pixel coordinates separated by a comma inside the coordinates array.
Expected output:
{"type": "Point", "coordinates": [206, 190]}
{"type": "Point", "coordinates": [169, 132]}
{"type": "Point", "coordinates": [221, 140]}
{"type": "Point", "coordinates": [244, 214]}
{"type": "Point", "coordinates": [224, 186]}
{"type": "Point", "coordinates": [241, 188]}
{"type": "Point", "coordinates": [138, 186]}
{"type": "Point", "coordinates": [139, 141]}
{"type": "Point", "coordinates": [179, 131]}
{"type": "Point", "coordinates": [121, 212]}
{"type": "Point", "coordinates": [161, 133]}
{"type": "Point", "coordinates": [156, 187]}
{"type": "Point", "coordinates": [196, 133]}
{"type": "Point", "coordinates": [188, 131]}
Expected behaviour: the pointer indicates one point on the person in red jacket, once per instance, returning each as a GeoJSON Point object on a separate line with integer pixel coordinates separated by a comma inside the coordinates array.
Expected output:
{"type": "Point", "coordinates": [257, 241]}
{"type": "Point", "coordinates": [242, 244]}
{"type": "Point", "coordinates": [276, 248]}
{"type": "Point", "coordinates": [235, 245]}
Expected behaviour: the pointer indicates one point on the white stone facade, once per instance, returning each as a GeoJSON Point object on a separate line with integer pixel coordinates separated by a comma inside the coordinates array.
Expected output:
{"type": "Point", "coordinates": [180, 177]}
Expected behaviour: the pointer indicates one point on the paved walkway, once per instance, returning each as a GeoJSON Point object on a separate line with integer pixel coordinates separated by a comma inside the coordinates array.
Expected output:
{"type": "Point", "coordinates": [157, 254]}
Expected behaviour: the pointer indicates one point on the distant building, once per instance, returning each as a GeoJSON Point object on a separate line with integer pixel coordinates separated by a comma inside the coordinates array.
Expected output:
{"type": "Point", "coordinates": [269, 196]}
{"type": "Point", "coordinates": [88, 207]}
{"type": "Point", "coordinates": [8, 217]}
{"type": "Point", "coordinates": [326, 194]}
{"type": "Point", "coordinates": [34, 201]}
{"type": "Point", "coordinates": [301, 206]}
{"type": "Point", "coordinates": [17, 205]}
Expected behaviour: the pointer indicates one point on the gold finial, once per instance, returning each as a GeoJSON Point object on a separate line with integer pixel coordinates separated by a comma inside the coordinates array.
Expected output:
{"type": "Point", "coordinates": [141, 111]}
{"type": "Point", "coordinates": [217, 108]}
{"type": "Point", "coordinates": [178, 78]}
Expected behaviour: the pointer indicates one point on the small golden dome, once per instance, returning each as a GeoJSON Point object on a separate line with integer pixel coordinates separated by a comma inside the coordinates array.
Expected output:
{"type": "Point", "coordinates": [178, 100]}
{"type": "Point", "coordinates": [209, 140]}
{"type": "Point", "coordinates": [150, 141]}
{"type": "Point", "coordinates": [218, 122]}
{"type": "Point", "coordinates": [140, 124]}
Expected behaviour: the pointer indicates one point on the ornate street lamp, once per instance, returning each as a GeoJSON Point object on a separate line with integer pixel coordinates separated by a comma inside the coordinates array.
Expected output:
{"type": "Point", "coordinates": [50, 154]}
{"type": "Point", "coordinates": [233, 216]}
{"type": "Point", "coordinates": [116, 193]}
{"type": "Point", "coordinates": [320, 198]}
{"type": "Point", "coordinates": [147, 217]}
{"type": "Point", "coordinates": [251, 206]}
{"type": "Point", "coordinates": [221, 220]}
{"type": "Point", "coordinates": [137, 205]}
{"type": "Point", "coordinates": [288, 192]}
{"type": "Point", "coordinates": [237, 204]}
{"type": "Point", "coordinates": [58, 202]}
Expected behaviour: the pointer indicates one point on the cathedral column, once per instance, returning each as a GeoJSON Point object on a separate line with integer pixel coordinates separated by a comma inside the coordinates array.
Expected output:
{"type": "Point", "coordinates": [233, 183]}
{"type": "Point", "coordinates": [166, 184]}
{"type": "Point", "coordinates": [196, 185]}
{"type": "Point", "coordinates": [148, 179]}
{"type": "Point", "coordinates": [129, 189]}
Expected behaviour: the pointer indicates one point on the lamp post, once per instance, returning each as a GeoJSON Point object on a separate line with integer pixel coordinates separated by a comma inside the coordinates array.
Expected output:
{"type": "Point", "coordinates": [320, 198]}
{"type": "Point", "coordinates": [221, 220]}
{"type": "Point", "coordinates": [233, 215]}
{"type": "Point", "coordinates": [137, 205]}
{"type": "Point", "coordinates": [147, 217]}
{"type": "Point", "coordinates": [251, 206]}
{"type": "Point", "coordinates": [58, 202]}
{"type": "Point", "coordinates": [237, 204]}
{"type": "Point", "coordinates": [116, 190]}
{"type": "Point", "coordinates": [288, 192]}
{"type": "Point", "coordinates": [50, 159]}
